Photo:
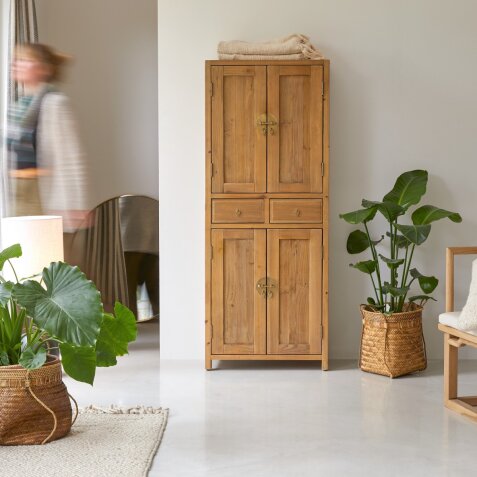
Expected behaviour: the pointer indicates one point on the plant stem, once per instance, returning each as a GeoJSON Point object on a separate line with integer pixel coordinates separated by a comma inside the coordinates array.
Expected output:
{"type": "Point", "coordinates": [14, 272]}
{"type": "Point", "coordinates": [378, 272]}
{"type": "Point", "coordinates": [393, 269]}
{"type": "Point", "coordinates": [406, 273]}
{"type": "Point", "coordinates": [374, 287]}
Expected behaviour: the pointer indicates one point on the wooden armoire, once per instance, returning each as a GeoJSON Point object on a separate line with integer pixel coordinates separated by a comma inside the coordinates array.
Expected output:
{"type": "Point", "coordinates": [267, 168]}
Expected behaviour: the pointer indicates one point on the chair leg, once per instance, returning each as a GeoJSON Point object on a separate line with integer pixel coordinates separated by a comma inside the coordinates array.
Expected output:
{"type": "Point", "coordinates": [450, 369]}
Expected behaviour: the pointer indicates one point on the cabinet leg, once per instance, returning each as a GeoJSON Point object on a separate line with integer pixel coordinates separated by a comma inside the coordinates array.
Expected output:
{"type": "Point", "coordinates": [324, 363]}
{"type": "Point", "coordinates": [208, 364]}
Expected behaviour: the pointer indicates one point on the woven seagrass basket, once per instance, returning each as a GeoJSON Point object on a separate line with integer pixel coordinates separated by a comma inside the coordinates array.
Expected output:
{"type": "Point", "coordinates": [392, 345]}
{"type": "Point", "coordinates": [34, 405]}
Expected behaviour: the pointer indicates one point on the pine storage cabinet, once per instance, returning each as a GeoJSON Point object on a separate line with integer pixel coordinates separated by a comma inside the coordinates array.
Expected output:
{"type": "Point", "coordinates": [267, 168]}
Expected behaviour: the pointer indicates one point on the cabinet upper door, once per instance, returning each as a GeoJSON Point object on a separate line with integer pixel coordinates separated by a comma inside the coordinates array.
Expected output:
{"type": "Point", "coordinates": [238, 310]}
{"type": "Point", "coordinates": [239, 146]}
{"type": "Point", "coordinates": [294, 310]}
{"type": "Point", "coordinates": [295, 146]}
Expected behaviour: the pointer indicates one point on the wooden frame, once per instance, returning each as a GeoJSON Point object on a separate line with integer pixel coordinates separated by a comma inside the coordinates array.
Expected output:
{"type": "Point", "coordinates": [453, 340]}
{"type": "Point", "coordinates": [267, 196]}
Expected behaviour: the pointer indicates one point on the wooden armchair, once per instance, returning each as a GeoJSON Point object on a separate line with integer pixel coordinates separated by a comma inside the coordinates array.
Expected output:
{"type": "Point", "coordinates": [455, 339]}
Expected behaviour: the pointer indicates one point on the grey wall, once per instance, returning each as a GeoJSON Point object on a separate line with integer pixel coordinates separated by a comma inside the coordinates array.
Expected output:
{"type": "Point", "coordinates": [403, 78]}
{"type": "Point", "coordinates": [113, 85]}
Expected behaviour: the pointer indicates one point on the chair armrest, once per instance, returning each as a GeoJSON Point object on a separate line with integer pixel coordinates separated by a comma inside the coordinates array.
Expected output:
{"type": "Point", "coordinates": [450, 254]}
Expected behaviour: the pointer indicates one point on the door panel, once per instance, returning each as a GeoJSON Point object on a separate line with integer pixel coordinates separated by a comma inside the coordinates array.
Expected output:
{"type": "Point", "coordinates": [239, 147]}
{"type": "Point", "coordinates": [238, 311]}
{"type": "Point", "coordinates": [295, 147]}
{"type": "Point", "coordinates": [294, 262]}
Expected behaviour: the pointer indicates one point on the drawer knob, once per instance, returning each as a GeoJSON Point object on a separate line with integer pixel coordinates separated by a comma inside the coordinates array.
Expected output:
{"type": "Point", "coordinates": [298, 212]}
{"type": "Point", "coordinates": [238, 212]}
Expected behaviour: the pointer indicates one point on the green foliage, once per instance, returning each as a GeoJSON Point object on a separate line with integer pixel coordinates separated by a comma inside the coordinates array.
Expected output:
{"type": "Point", "coordinates": [68, 311]}
{"type": "Point", "coordinates": [69, 308]}
{"type": "Point", "coordinates": [416, 234]}
{"type": "Point", "coordinates": [368, 267]}
{"type": "Point", "coordinates": [79, 362]}
{"type": "Point", "coordinates": [33, 358]}
{"type": "Point", "coordinates": [357, 242]}
{"type": "Point", "coordinates": [391, 294]}
{"type": "Point", "coordinates": [116, 332]}
{"type": "Point", "coordinates": [408, 189]}
{"type": "Point", "coordinates": [14, 251]}
{"type": "Point", "coordinates": [360, 216]}
{"type": "Point", "coordinates": [428, 213]}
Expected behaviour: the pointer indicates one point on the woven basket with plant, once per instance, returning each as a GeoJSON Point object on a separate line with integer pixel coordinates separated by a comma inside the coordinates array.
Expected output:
{"type": "Point", "coordinates": [392, 341]}
{"type": "Point", "coordinates": [63, 310]}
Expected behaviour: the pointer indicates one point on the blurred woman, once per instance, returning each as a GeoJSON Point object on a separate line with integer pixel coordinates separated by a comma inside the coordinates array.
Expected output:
{"type": "Point", "coordinates": [46, 163]}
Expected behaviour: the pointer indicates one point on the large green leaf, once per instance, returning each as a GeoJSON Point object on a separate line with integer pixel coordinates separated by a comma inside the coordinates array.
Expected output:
{"type": "Point", "coordinates": [360, 216]}
{"type": "Point", "coordinates": [5, 292]}
{"type": "Point", "coordinates": [390, 210]}
{"type": "Point", "coordinates": [31, 359]}
{"type": "Point", "coordinates": [423, 299]}
{"type": "Point", "coordinates": [357, 242]}
{"type": "Point", "coordinates": [427, 284]}
{"type": "Point", "coordinates": [428, 213]}
{"type": "Point", "coordinates": [14, 251]}
{"type": "Point", "coordinates": [368, 266]}
{"type": "Point", "coordinates": [392, 262]}
{"type": "Point", "coordinates": [70, 308]}
{"type": "Point", "coordinates": [4, 360]}
{"type": "Point", "coordinates": [79, 362]}
{"type": "Point", "coordinates": [116, 332]}
{"type": "Point", "coordinates": [408, 189]}
{"type": "Point", "coordinates": [417, 234]}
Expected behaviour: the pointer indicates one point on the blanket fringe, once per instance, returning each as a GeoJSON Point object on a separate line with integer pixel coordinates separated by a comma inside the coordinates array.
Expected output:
{"type": "Point", "coordinates": [114, 409]}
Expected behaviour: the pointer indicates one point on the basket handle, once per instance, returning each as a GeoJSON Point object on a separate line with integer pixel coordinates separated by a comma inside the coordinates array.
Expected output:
{"type": "Point", "coordinates": [55, 420]}
{"type": "Point", "coordinates": [76, 408]}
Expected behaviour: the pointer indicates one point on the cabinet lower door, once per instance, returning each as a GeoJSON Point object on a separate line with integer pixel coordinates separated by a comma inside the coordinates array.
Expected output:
{"type": "Point", "coordinates": [294, 263]}
{"type": "Point", "coordinates": [238, 310]}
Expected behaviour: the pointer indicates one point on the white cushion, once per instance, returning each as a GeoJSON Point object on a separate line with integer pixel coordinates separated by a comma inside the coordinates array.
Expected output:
{"type": "Point", "coordinates": [468, 317]}
{"type": "Point", "coordinates": [452, 319]}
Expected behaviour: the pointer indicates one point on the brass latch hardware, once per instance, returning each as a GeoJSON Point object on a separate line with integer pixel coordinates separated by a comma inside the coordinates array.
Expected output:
{"type": "Point", "coordinates": [267, 123]}
{"type": "Point", "coordinates": [265, 287]}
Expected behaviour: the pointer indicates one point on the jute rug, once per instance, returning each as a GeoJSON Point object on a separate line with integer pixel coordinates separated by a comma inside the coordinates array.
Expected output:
{"type": "Point", "coordinates": [115, 442]}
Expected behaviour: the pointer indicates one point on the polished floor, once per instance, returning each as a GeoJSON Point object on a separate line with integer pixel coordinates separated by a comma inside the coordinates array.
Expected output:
{"type": "Point", "coordinates": [291, 419]}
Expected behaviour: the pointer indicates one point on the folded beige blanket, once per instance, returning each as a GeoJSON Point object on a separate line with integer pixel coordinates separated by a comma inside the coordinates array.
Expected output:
{"type": "Point", "coordinates": [293, 47]}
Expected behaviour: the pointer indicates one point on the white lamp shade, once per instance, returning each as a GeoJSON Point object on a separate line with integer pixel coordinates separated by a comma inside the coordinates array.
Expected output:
{"type": "Point", "coordinates": [41, 239]}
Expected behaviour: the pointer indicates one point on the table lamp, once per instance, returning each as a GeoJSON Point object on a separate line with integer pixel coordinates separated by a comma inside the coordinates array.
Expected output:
{"type": "Point", "coordinates": [41, 239]}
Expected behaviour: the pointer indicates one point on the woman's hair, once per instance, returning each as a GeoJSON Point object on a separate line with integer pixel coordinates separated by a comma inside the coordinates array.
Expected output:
{"type": "Point", "coordinates": [46, 55]}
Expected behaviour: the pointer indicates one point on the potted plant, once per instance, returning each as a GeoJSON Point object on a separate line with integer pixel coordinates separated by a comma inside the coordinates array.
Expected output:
{"type": "Point", "coordinates": [66, 312]}
{"type": "Point", "coordinates": [392, 340]}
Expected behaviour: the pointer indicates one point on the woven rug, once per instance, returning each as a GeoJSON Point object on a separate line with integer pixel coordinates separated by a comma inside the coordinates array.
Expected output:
{"type": "Point", "coordinates": [112, 442]}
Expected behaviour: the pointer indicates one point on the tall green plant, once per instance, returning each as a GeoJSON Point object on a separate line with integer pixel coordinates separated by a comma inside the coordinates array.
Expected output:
{"type": "Point", "coordinates": [67, 311]}
{"type": "Point", "coordinates": [391, 293]}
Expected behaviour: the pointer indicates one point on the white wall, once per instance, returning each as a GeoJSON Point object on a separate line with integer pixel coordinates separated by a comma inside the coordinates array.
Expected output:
{"type": "Point", "coordinates": [403, 80]}
{"type": "Point", "coordinates": [113, 85]}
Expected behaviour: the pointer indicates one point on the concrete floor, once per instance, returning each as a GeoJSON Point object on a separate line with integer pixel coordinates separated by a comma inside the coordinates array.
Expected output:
{"type": "Point", "coordinates": [291, 419]}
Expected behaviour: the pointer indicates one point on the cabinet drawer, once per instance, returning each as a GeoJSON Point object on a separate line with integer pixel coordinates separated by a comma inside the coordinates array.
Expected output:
{"type": "Point", "coordinates": [238, 211]}
{"type": "Point", "coordinates": [283, 211]}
